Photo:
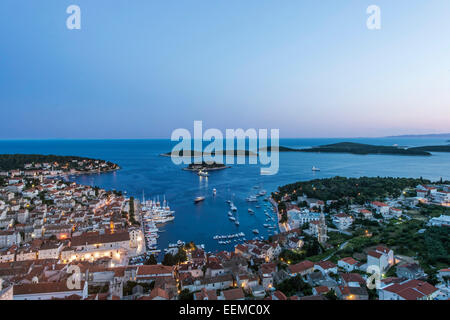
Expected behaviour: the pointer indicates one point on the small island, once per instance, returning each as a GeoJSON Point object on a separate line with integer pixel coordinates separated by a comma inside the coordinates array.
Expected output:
{"type": "Point", "coordinates": [54, 165]}
{"type": "Point", "coordinates": [195, 153]}
{"type": "Point", "coordinates": [205, 166]}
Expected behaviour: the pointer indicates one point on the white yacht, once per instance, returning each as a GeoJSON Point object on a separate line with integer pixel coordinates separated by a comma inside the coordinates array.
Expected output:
{"type": "Point", "coordinates": [199, 199]}
{"type": "Point", "coordinates": [203, 173]}
{"type": "Point", "coordinates": [315, 169]}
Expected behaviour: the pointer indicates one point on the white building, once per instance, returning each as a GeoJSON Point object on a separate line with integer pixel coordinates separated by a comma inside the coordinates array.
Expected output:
{"type": "Point", "coordinates": [342, 221]}
{"type": "Point", "coordinates": [408, 290]}
{"type": "Point", "coordinates": [443, 220]}
{"type": "Point", "coordinates": [381, 257]}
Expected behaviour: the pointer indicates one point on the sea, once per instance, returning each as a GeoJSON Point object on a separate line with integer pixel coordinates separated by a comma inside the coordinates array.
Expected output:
{"type": "Point", "coordinates": [145, 173]}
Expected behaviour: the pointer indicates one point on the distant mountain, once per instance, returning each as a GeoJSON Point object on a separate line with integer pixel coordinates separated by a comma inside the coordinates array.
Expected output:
{"type": "Point", "coordinates": [431, 135]}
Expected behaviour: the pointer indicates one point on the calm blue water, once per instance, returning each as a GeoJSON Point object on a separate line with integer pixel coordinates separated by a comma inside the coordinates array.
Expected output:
{"type": "Point", "coordinates": [144, 170]}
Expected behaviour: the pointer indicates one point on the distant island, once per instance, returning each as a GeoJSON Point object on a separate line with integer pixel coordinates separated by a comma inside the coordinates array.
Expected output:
{"type": "Point", "coordinates": [190, 153]}
{"type": "Point", "coordinates": [443, 148]}
{"type": "Point", "coordinates": [54, 164]}
{"type": "Point", "coordinates": [205, 166]}
{"type": "Point", "coordinates": [341, 147]}
{"type": "Point", "coordinates": [358, 148]}
{"type": "Point", "coordinates": [430, 135]}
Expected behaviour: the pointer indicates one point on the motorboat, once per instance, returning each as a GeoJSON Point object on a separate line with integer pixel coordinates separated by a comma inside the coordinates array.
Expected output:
{"type": "Point", "coordinates": [199, 199]}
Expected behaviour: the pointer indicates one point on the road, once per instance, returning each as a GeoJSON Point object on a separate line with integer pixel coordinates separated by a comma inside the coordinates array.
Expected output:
{"type": "Point", "coordinates": [342, 246]}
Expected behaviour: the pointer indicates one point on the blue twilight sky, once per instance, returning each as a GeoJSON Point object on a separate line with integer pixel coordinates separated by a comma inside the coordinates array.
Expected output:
{"type": "Point", "coordinates": [142, 68]}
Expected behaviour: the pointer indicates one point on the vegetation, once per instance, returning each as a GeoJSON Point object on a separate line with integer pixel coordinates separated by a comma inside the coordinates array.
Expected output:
{"type": "Point", "coordinates": [331, 295]}
{"type": "Point", "coordinates": [432, 148]}
{"type": "Point", "coordinates": [171, 260]}
{"type": "Point", "coordinates": [192, 153]}
{"type": "Point", "coordinates": [151, 260]}
{"type": "Point", "coordinates": [205, 166]}
{"type": "Point", "coordinates": [348, 190]}
{"type": "Point", "coordinates": [131, 213]}
{"type": "Point", "coordinates": [18, 161]}
{"type": "Point", "coordinates": [359, 148]}
{"type": "Point", "coordinates": [431, 210]}
{"type": "Point", "coordinates": [129, 286]}
{"type": "Point", "coordinates": [294, 285]}
{"type": "Point", "coordinates": [310, 248]}
{"type": "Point", "coordinates": [185, 294]}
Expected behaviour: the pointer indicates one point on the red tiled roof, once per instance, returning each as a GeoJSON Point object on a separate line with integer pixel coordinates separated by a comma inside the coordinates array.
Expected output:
{"type": "Point", "coordinates": [349, 260]}
{"type": "Point", "coordinates": [158, 292]}
{"type": "Point", "coordinates": [379, 204]}
{"type": "Point", "coordinates": [383, 249]}
{"type": "Point", "coordinates": [44, 287]}
{"type": "Point", "coordinates": [326, 264]}
{"type": "Point", "coordinates": [374, 254]}
{"type": "Point", "coordinates": [279, 295]}
{"type": "Point", "coordinates": [412, 289]}
{"type": "Point", "coordinates": [154, 270]}
{"type": "Point", "coordinates": [301, 266]}
{"type": "Point", "coordinates": [233, 294]}
{"type": "Point", "coordinates": [322, 289]}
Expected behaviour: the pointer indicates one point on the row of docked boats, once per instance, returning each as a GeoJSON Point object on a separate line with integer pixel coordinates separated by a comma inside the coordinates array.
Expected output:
{"type": "Point", "coordinates": [229, 236]}
{"type": "Point", "coordinates": [154, 213]}
{"type": "Point", "coordinates": [227, 239]}
{"type": "Point", "coordinates": [254, 198]}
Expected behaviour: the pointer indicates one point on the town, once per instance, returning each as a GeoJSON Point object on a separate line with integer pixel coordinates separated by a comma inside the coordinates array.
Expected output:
{"type": "Point", "coordinates": [339, 239]}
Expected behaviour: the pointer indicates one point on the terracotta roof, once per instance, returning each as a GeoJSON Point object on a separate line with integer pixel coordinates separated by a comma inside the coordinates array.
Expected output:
{"type": "Point", "coordinates": [412, 289]}
{"type": "Point", "coordinates": [349, 260]}
{"type": "Point", "coordinates": [322, 289]}
{"type": "Point", "coordinates": [233, 294]}
{"type": "Point", "coordinates": [45, 287]}
{"type": "Point", "coordinates": [374, 254]}
{"type": "Point", "coordinates": [326, 264]}
{"type": "Point", "coordinates": [94, 238]}
{"type": "Point", "coordinates": [279, 295]}
{"type": "Point", "coordinates": [301, 266]}
{"type": "Point", "coordinates": [154, 269]}
{"type": "Point", "coordinates": [352, 277]}
{"type": "Point", "coordinates": [379, 204]}
{"type": "Point", "coordinates": [383, 249]}
{"type": "Point", "coordinates": [158, 292]}
{"type": "Point", "coordinates": [206, 295]}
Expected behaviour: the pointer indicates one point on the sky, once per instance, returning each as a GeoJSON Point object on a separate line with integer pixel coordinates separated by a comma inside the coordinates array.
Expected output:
{"type": "Point", "coordinates": [143, 68]}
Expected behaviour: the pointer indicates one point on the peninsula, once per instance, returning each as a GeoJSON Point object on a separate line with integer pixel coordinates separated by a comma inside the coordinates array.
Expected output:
{"type": "Point", "coordinates": [54, 165]}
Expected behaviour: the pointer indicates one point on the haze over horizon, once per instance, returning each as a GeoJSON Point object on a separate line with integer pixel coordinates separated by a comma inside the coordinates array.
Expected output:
{"type": "Point", "coordinates": [142, 69]}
